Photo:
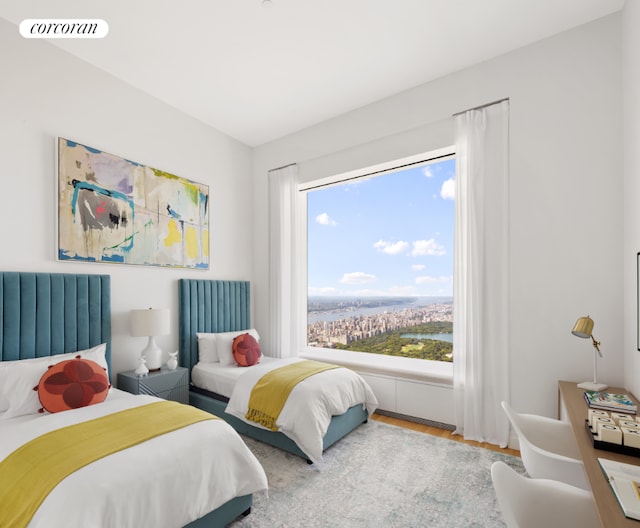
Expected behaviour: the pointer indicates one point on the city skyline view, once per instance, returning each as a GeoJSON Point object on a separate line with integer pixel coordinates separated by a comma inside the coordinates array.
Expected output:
{"type": "Point", "coordinates": [350, 324]}
{"type": "Point", "coordinates": [388, 235]}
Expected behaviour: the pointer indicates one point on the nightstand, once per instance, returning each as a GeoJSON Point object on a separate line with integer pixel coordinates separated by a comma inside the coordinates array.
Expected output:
{"type": "Point", "coordinates": [165, 383]}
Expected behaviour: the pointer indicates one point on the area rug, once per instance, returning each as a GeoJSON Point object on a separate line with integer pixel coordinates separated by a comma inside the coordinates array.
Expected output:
{"type": "Point", "coordinates": [379, 476]}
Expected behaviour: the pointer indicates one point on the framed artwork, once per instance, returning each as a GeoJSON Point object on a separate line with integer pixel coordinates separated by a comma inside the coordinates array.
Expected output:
{"type": "Point", "coordinates": [111, 209]}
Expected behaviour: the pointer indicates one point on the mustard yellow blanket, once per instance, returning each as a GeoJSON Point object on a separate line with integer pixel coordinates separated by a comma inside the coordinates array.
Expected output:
{"type": "Point", "coordinates": [29, 474]}
{"type": "Point", "coordinates": [271, 391]}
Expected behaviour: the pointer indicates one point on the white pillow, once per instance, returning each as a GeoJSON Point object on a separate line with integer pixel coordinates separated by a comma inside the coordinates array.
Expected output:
{"type": "Point", "coordinates": [18, 379]}
{"type": "Point", "coordinates": [207, 351]}
{"type": "Point", "coordinates": [218, 347]}
{"type": "Point", "coordinates": [17, 384]}
{"type": "Point", "coordinates": [224, 343]}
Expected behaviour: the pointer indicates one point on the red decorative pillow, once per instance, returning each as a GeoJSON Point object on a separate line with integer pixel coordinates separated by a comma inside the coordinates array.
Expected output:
{"type": "Point", "coordinates": [72, 384]}
{"type": "Point", "coordinates": [246, 350]}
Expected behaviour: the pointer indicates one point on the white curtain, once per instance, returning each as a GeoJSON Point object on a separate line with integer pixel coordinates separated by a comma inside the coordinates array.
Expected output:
{"type": "Point", "coordinates": [481, 274]}
{"type": "Point", "coordinates": [283, 313]}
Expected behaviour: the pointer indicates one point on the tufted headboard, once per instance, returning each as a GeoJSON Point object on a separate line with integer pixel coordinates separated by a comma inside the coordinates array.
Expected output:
{"type": "Point", "coordinates": [210, 306]}
{"type": "Point", "coordinates": [44, 314]}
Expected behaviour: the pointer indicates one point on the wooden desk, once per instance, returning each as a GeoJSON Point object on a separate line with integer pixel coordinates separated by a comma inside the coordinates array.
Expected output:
{"type": "Point", "coordinates": [572, 407]}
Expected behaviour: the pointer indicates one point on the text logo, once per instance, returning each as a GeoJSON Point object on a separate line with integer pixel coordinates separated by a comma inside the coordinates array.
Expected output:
{"type": "Point", "coordinates": [63, 28]}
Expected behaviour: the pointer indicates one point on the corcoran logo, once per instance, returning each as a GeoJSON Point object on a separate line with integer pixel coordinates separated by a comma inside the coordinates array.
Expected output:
{"type": "Point", "coordinates": [51, 28]}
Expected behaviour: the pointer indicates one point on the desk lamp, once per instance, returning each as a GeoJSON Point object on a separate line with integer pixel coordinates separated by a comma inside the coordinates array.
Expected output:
{"type": "Point", "coordinates": [583, 328]}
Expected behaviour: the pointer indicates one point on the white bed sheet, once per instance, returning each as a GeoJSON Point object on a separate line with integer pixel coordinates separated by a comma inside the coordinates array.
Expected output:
{"type": "Point", "coordinates": [307, 413]}
{"type": "Point", "coordinates": [219, 378]}
{"type": "Point", "coordinates": [167, 481]}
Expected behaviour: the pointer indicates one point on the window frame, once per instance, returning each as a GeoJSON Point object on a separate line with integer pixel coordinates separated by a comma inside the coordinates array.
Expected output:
{"type": "Point", "coordinates": [437, 372]}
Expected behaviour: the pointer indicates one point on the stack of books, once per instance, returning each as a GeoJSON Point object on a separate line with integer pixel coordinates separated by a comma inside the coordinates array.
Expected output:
{"type": "Point", "coordinates": [610, 402]}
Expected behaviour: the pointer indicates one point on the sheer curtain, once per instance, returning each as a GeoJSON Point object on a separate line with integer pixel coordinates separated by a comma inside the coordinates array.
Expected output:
{"type": "Point", "coordinates": [283, 268]}
{"type": "Point", "coordinates": [481, 274]}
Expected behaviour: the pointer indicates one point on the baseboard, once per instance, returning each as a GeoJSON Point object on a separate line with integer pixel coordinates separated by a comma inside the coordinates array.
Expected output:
{"type": "Point", "coordinates": [414, 419]}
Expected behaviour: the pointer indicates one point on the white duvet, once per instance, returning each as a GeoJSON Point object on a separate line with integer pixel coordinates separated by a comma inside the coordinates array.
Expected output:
{"type": "Point", "coordinates": [167, 481]}
{"type": "Point", "coordinates": [306, 415]}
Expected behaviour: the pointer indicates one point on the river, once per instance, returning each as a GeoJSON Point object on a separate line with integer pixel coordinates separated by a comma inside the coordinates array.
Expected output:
{"type": "Point", "coordinates": [435, 337]}
{"type": "Point", "coordinates": [335, 315]}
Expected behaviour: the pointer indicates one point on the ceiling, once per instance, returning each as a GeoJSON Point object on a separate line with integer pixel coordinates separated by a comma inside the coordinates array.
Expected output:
{"type": "Point", "coordinates": [258, 73]}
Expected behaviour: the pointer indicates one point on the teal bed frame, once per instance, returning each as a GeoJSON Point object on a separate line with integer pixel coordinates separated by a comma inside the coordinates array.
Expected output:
{"type": "Point", "coordinates": [45, 314]}
{"type": "Point", "coordinates": [224, 306]}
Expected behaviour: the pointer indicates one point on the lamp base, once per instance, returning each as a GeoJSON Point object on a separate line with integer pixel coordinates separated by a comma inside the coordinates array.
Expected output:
{"type": "Point", "coordinates": [153, 355]}
{"type": "Point", "coordinates": [590, 385]}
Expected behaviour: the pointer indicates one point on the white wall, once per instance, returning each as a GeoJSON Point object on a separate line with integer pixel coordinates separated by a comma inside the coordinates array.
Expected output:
{"type": "Point", "coordinates": [45, 93]}
{"type": "Point", "coordinates": [566, 185]}
{"type": "Point", "coordinates": [565, 192]}
{"type": "Point", "coordinates": [631, 140]}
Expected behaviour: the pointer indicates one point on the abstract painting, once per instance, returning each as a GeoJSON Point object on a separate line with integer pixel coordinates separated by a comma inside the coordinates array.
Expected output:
{"type": "Point", "coordinates": [111, 209]}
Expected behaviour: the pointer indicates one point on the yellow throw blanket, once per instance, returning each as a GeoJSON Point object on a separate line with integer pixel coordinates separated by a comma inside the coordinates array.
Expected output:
{"type": "Point", "coordinates": [271, 391]}
{"type": "Point", "coordinates": [28, 475]}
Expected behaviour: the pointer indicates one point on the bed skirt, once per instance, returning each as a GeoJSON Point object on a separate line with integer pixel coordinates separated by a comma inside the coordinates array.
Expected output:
{"type": "Point", "coordinates": [225, 514]}
{"type": "Point", "coordinates": [340, 425]}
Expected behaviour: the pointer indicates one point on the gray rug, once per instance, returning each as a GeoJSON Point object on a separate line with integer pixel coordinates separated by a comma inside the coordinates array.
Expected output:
{"type": "Point", "coordinates": [379, 476]}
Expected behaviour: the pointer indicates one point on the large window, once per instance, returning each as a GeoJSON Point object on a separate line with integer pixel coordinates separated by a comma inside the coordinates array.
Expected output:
{"type": "Point", "coordinates": [380, 262]}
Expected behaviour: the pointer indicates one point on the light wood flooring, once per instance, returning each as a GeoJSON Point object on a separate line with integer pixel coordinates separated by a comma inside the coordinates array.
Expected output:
{"type": "Point", "coordinates": [443, 433]}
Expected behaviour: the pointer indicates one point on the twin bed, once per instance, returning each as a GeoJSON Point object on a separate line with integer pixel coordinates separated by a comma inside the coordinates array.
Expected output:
{"type": "Point", "coordinates": [198, 475]}
{"type": "Point", "coordinates": [321, 410]}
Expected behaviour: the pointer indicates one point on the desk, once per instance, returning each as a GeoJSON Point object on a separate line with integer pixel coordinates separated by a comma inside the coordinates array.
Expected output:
{"type": "Point", "coordinates": [573, 408]}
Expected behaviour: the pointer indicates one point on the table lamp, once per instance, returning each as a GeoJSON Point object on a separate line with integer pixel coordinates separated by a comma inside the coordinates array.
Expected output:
{"type": "Point", "coordinates": [583, 328]}
{"type": "Point", "coordinates": [151, 322]}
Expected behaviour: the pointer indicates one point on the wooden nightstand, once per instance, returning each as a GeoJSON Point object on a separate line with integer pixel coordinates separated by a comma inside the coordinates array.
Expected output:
{"type": "Point", "coordinates": [165, 383]}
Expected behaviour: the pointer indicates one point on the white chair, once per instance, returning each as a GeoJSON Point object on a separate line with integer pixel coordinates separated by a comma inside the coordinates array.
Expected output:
{"type": "Point", "coordinates": [548, 448]}
{"type": "Point", "coordinates": [535, 503]}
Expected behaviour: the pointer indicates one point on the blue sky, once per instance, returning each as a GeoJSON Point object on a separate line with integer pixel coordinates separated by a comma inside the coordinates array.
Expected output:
{"type": "Point", "coordinates": [385, 235]}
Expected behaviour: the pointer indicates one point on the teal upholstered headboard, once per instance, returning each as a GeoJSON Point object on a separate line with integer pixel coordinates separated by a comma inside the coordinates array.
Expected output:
{"type": "Point", "coordinates": [210, 306]}
{"type": "Point", "coordinates": [44, 314]}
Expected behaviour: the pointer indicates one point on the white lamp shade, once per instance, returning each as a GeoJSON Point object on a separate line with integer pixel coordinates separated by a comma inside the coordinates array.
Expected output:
{"type": "Point", "coordinates": [150, 322]}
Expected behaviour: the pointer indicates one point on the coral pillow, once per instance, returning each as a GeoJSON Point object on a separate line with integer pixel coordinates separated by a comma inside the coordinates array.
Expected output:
{"type": "Point", "coordinates": [246, 350]}
{"type": "Point", "coordinates": [72, 384]}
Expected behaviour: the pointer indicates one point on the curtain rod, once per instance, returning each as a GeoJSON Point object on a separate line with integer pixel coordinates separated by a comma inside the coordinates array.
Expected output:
{"type": "Point", "coordinates": [481, 106]}
{"type": "Point", "coordinates": [283, 167]}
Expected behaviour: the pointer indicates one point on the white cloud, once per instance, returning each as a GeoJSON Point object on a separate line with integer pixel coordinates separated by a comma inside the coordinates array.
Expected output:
{"type": "Point", "coordinates": [418, 267]}
{"type": "Point", "coordinates": [427, 247]}
{"type": "Point", "coordinates": [329, 290]}
{"type": "Point", "coordinates": [401, 290]}
{"type": "Point", "coordinates": [431, 280]}
{"type": "Point", "coordinates": [366, 292]}
{"type": "Point", "coordinates": [448, 189]}
{"type": "Point", "coordinates": [357, 277]}
{"type": "Point", "coordinates": [356, 182]}
{"type": "Point", "coordinates": [427, 171]}
{"type": "Point", "coordinates": [391, 291]}
{"type": "Point", "coordinates": [391, 248]}
{"type": "Point", "coordinates": [325, 219]}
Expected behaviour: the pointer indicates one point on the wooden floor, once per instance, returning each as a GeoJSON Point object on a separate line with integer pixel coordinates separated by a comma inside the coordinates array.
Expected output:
{"type": "Point", "coordinates": [443, 433]}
